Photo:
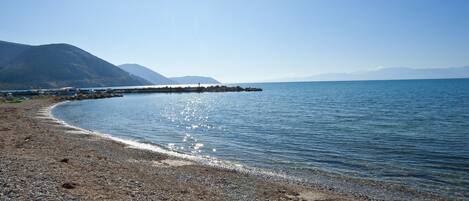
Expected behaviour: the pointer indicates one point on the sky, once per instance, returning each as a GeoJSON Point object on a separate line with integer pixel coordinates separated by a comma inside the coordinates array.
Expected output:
{"type": "Point", "coordinates": [252, 40]}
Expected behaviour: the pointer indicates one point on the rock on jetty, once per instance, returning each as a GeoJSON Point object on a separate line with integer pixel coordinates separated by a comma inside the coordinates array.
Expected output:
{"type": "Point", "coordinates": [71, 93]}
{"type": "Point", "coordinates": [168, 89]}
{"type": "Point", "coordinates": [83, 96]}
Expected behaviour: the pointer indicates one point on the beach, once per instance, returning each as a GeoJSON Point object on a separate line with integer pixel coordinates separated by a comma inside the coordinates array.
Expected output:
{"type": "Point", "coordinates": [41, 159]}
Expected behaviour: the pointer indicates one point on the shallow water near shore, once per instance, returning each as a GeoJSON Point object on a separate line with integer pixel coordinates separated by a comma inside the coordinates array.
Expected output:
{"type": "Point", "coordinates": [410, 134]}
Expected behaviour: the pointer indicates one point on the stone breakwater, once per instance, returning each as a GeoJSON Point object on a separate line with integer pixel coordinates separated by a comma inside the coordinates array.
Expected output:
{"type": "Point", "coordinates": [217, 88]}
{"type": "Point", "coordinates": [70, 93]}
{"type": "Point", "coordinates": [81, 96]}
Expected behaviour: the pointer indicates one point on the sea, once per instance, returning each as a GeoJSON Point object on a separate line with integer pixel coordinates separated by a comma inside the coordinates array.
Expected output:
{"type": "Point", "coordinates": [396, 140]}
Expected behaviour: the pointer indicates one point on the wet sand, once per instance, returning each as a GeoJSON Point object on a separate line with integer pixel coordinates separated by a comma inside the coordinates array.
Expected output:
{"type": "Point", "coordinates": [42, 160]}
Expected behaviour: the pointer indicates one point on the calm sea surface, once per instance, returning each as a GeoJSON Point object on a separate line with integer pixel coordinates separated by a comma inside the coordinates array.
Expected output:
{"type": "Point", "coordinates": [405, 135]}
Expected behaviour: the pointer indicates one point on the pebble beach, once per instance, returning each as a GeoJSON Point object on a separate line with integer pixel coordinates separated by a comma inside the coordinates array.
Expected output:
{"type": "Point", "coordinates": [41, 159]}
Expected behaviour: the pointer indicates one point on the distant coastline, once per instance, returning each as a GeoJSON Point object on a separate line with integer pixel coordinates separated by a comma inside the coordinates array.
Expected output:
{"type": "Point", "coordinates": [386, 74]}
{"type": "Point", "coordinates": [371, 80]}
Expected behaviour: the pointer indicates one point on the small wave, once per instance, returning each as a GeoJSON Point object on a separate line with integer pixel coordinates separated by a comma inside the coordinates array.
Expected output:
{"type": "Point", "coordinates": [46, 113]}
{"type": "Point", "coordinates": [338, 182]}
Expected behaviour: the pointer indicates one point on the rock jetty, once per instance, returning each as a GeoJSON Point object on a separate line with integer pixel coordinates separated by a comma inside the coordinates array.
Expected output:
{"type": "Point", "coordinates": [71, 93]}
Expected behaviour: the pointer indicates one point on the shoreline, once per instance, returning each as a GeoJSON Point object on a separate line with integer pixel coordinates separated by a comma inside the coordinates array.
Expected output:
{"type": "Point", "coordinates": [43, 159]}
{"type": "Point", "coordinates": [337, 183]}
{"type": "Point", "coordinates": [46, 113]}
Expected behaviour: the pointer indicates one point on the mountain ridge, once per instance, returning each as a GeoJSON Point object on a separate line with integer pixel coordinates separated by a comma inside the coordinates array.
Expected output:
{"type": "Point", "coordinates": [195, 80]}
{"type": "Point", "coordinates": [147, 74]}
{"type": "Point", "coordinates": [159, 79]}
{"type": "Point", "coordinates": [392, 73]}
{"type": "Point", "coordinates": [9, 50]}
{"type": "Point", "coordinates": [58, 65]}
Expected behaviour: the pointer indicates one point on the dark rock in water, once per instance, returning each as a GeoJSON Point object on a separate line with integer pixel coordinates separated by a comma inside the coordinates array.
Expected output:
{"type": "Point", "coordinates": [69, 185]}
{"type": "Point", "coordinates": [65, 160]}
{"type": "Point", "coordinates": [97, 95]}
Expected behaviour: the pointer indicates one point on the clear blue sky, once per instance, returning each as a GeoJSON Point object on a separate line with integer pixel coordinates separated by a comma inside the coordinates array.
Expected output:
{"type": "Point", "coordinates": [239, 41]}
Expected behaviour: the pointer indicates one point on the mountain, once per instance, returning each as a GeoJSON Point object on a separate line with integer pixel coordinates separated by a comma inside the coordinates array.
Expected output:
{"type": "Point", "coordinates": [157, 78]}
{"type": "Point", "coordinates": [9, 51]}
{"type": "Point", "coordinates": [391, 74]}
{"type": "Point", "coordinates": [58, 65]}
{"type": "Point", "coordinates": [195, 80]}
{"type": "Point", "coordinates": [147, 74]}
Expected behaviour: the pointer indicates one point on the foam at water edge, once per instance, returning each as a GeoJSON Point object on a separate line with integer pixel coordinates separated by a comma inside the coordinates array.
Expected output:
{"type": "Point", "coordinates": [46, 113]}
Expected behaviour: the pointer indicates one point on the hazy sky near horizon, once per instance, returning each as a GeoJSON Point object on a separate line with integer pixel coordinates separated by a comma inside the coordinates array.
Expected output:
{"type": "Point", "coordinates": [242, 41]}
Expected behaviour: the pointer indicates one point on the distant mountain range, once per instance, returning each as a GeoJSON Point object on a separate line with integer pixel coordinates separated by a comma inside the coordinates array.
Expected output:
{"type": "Point", "coordinates": [147, 74]}
{"type": "Point", "coordinates": [159, 79]}
{"type": "Point", "coordinates": [195, 80]}
{"type": "Point", "coordinates": [390, 74]}
{"type": "Point", "coordinates": [63, 65]}
{"type": "Point", "coordinates": [57, 65]}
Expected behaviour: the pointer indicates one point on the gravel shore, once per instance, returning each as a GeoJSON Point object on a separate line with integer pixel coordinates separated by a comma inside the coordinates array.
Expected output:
{"type": "Point", "coordinates": [40, 160]}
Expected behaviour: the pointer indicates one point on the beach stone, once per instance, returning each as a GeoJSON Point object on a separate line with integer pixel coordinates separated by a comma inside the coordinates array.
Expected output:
{"type": "Point", "coordinates": [69, 185]}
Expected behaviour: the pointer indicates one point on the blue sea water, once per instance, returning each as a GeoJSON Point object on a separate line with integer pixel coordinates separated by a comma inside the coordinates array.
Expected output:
{"type": "Point", "coordinates": [412, 135]}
